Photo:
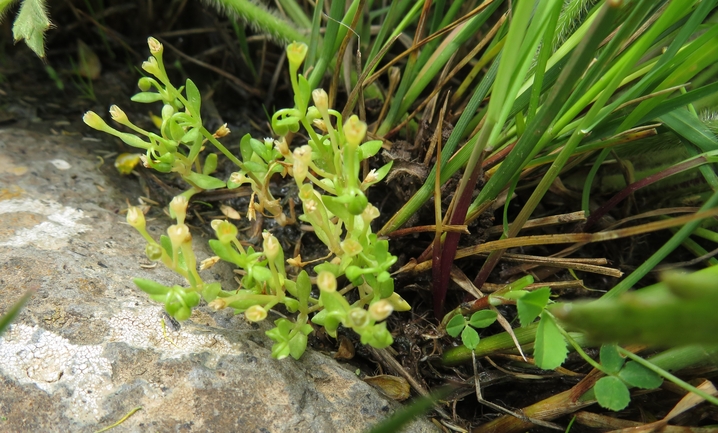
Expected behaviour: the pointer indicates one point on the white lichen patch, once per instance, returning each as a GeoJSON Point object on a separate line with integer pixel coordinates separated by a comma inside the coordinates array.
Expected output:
{"type": "Point", "coordinates": [61, 223]}
{"type": "Point", "coordinates": [33, 355]}
{"type": "Point", "coordinates": [142, 328]}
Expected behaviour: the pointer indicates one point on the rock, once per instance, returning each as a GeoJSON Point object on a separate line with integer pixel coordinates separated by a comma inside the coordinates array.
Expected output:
{"type": "Point", "coordinates": [90, 347]}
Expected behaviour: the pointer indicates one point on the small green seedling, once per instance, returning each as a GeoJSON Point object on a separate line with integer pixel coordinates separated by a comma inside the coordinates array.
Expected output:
{"type": "Point", "coordinates": [550, 346]}
{"type": "Point", "coordinates": [459, 325]}
{"type": "Point", "coordinates": [612, 391]}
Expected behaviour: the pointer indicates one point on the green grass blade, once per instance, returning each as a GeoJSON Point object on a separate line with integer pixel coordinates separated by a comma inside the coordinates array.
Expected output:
{"type": "Point", "coordinates": [427, 189]}
{"type": "Point", "coordinates": [402, 417]}
{"type": "Point", "coordinates": [295, 12]}
{"type": "Point", "coordinates": [12, 313]}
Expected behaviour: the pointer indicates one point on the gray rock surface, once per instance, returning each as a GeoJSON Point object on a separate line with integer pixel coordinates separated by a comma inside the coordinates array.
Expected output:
{"type": "Point", "coordinates": [90, 347]}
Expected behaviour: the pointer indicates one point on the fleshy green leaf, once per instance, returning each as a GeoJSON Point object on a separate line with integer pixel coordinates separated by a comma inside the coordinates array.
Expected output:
{"type": "Point", "coordinates": [370, 148]}
{"type": "Point", "coordinates": [383, 171]}
{"type": "Point", "coordinates": [260, 273]}
{"type": "Point", "coordinates": [297, 345]}
{"type": "Point", "coordinates": [205, 182]}
{"type": "Point", "coordinates": [194, 98]}
{"type": "Point", "coordinates": [191, 136]}
{"type": "Point", "coordinates": [550, 349]}
{"type": "Point", "coordinates": [611, 393]}
{"type": "Point", "coordinates": [210, 164]}
{"type": "Point", "coordinates": [245, 148]}
{"type": "Point", "coordinates": [470, 337]}
{"type": "Point", "coordinates": [210, 291]}
{"type": "Point", "coordinates": [482, 319]}
{"type": "Point", "coordinates": [611, 360]}
{"type": "Point", "coordinates": [150, 287]}
{"type": "Point", "coordinates": [304, 287]}
{"type": "Point", "coordinates": [30, 24]}
{"type": "Point", "coordinates": [146, 97]}
{"type": "Point", "coordinates": [456, 325]}
{"type": "Point", "coordinates": [639, 376]}
{"type": "Point", "coordinates": [531, 304]}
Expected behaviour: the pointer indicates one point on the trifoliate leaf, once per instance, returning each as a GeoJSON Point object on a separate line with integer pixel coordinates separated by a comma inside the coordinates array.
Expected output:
{"type": "Point", "coordinates": [30, 24]}
{"type": "Point", "coordinates": [611, 393]}
{"type": "Point", "coordinates": [470, 337]}
{"type": "Point", "coordinates": [611, 360]}
{"type": "Point", "coordinates": [550, 349]}
{"type": "Point", "coordinates": [639, 376]}
{"type": "Point", "coordinates": [531, 304]}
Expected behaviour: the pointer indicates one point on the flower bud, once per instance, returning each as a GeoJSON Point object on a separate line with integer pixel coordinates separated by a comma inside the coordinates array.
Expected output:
{"type": "Point", "coordinates": [327, 282]}
{"type": "Point", "coordinates": [351, 247]}
{"type": "Point", "coordinates": [380, 310]}
{"type": "Point", "coordinates": [303, 153]}
{"type": "Point", "coordinates": [156, 47]}
{"type": "Point", "coordinates": [151, 66]}
{"type": "Point", "coordinates": [354, 130]}
{"type": "Point", "coordinates": [118, 115]}
{"type": "Point", "coordinates": [358, 318]}
{"type": "Point", "coordinates": [167, 111]}
{"type": "Point", "coordinates": [299, 171]}
{"type": "Point", "coordinates": [255, 313]}
{"type": "Point", "coordinates": [93, 120]}
{"type": "Point", "coordinates": [145, 83]}
{"type": "Point", "coordinates": [153, 252]}
{"type": "Point", "coordinates": [136, 218]}
{"type": "Point", "coordinates": [302, 158]}
{"type": "Point", "coordinates": [370, 213]}
{"type": "Point", "coordinates": [178, 205]}
{"type": "Point", "coordinates": [321, 101]}
{"type": "Point", "coordinates": [179, 234]}
{"type": "Point", "coordinates": [271, 246]}
{"type": "Point", "coordinates": [296, 52]}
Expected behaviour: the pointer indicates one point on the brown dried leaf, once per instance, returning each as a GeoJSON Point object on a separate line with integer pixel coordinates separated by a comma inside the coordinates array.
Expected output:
{"type": "Point", "coordinates": [346, 349]}
{"type": "Point", "coordinates": [394, 387]}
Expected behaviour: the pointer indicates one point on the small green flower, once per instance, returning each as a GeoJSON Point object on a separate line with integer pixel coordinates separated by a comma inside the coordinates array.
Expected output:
{"type": "Point", "coordinates": [136, 218]}
{"type": "Point", "coordinates": [380, 310]}
{"type": "Point", "coordinates": [151, 66]}
{"type": "Point", "coordinates": [296, 53]}
{"type": "Point", "coordinates": [354, 130]}
{"type": "Point", "coordinates": [179, 234]}
{"type": "Point", "coordinates": [178, 205]}
{"type": "Point", "coordinates": [255, 313]}
{"type": "Point", "coordinates": [327, 282]}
